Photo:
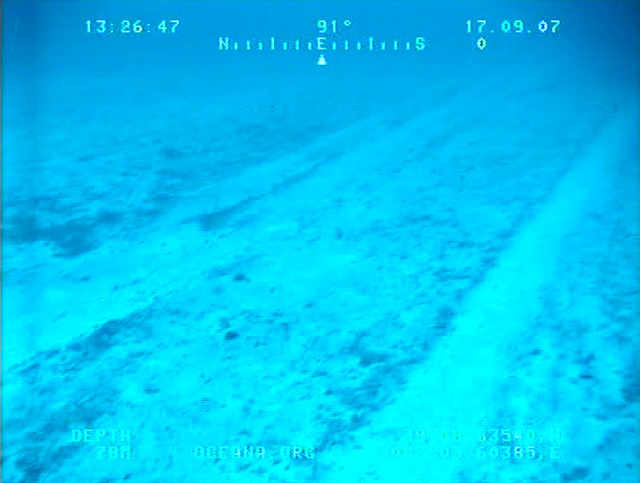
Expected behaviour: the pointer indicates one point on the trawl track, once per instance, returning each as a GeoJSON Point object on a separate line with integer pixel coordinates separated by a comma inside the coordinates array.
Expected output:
{"type": "Point", "coordinates": [470, 372]}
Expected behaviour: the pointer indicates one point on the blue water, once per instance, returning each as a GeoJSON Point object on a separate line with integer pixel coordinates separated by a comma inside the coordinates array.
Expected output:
{"type": "Point", "coordinates": [409, 258]}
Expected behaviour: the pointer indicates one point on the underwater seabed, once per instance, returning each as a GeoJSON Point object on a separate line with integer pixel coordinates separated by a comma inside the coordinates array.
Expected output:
{"type": "Point", "coordinates": [366, 302]}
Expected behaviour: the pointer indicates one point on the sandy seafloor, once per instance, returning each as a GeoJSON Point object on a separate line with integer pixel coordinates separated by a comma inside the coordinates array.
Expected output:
{"type": "Point", "coordinates": [370, 275]}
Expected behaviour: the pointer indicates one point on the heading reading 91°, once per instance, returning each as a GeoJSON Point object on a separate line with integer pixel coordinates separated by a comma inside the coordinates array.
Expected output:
{"type": "Point", "coordinates": [131, 27]}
